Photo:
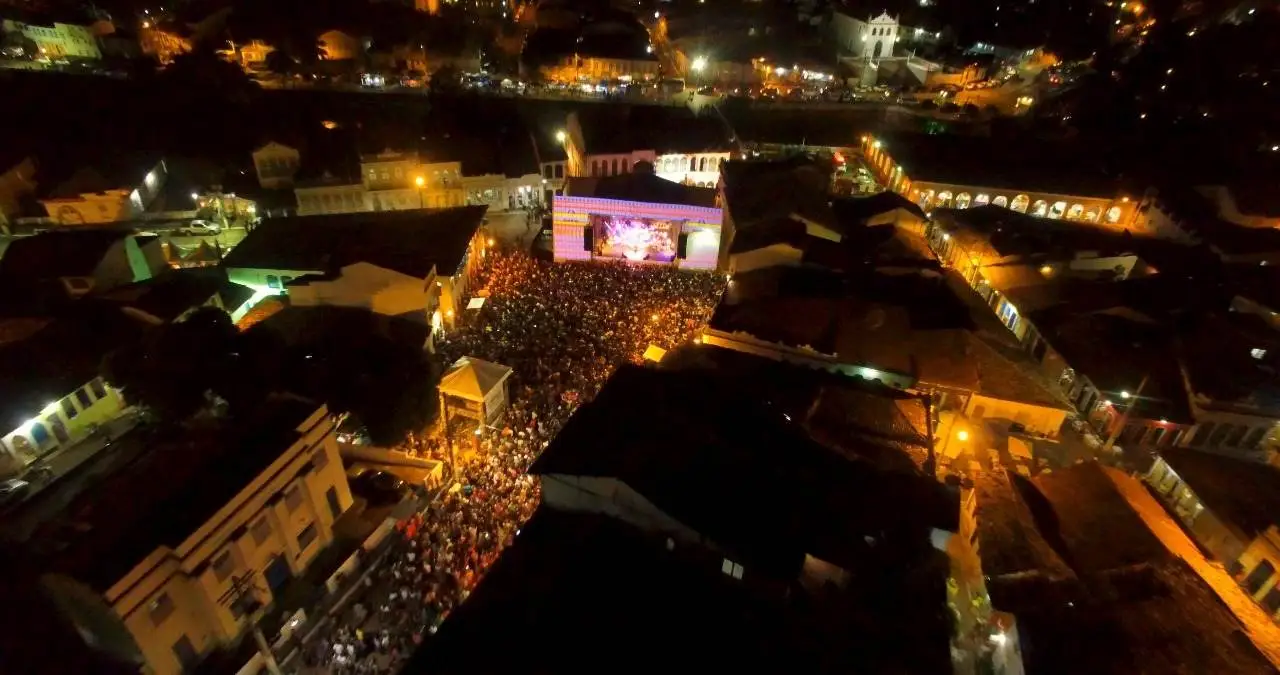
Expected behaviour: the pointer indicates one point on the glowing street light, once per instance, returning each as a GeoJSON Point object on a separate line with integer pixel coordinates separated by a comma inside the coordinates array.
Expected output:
{"type": "Point", "coordinates": [561, 136]}
{"type": "Point", "coordinates": [962, 435]}
{"type": "Point", "coordinates": [420, 181]}
{"type": "Point", "coordinates": [1125, 394]}
{"type": "Point", "coordinates": [699, 64]}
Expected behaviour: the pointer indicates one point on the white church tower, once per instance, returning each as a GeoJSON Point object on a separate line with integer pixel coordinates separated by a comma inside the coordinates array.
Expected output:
{"type": "Point", "coordinates": [879, 36]}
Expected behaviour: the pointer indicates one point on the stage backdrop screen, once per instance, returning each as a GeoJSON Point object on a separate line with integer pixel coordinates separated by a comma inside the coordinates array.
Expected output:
{"type": "Point", "coordinates": [584, 228]}
{"type": "Point", "coordinates": [634, 238]}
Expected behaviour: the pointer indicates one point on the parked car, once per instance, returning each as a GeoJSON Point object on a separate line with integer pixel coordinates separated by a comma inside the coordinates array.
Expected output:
{"type": "Point", "coordinates": [204, 225]}
{"type": "Point", "coordinates": [379, 488]}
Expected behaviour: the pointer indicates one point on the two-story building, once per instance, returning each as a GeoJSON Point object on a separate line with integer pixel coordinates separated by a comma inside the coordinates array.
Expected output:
{"type": "Point", "coordinates": [683, 148]}
{"type": "Point", "coordinates": [52, 395]}
{"type": "Point", "coordinates": [276, 164]}
{"type": "Point", "coordinates": [388, 181]}
{"type": "Point", "coordinates": [955, 172]}
{"type": "Point", "coordinates": [160, 542]}
{"type": "Point", "coordinates": [500, 192]}
{"type": "Point", "coordinates": [58, 41]}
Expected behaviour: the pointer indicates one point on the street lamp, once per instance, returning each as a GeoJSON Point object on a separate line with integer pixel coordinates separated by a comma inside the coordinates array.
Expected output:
{"type": "Point", "coordinates": [561, 136]}
{"type": "Point", "coordinates": [420, 182]}
{"type": "Point", "coordinates": [699, 64]}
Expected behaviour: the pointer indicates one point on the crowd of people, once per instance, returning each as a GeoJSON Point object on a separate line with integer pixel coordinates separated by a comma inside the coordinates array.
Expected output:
{"type": "Point", "coordinates": [562, 328]}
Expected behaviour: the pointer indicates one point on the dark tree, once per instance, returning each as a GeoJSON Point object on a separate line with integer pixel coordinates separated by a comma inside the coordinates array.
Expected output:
{"type": "Point", "coordinates": [204, 78]}
{"type": "Point", "coordinates": [281, 63]}
{"type": "Point", "coordinates": [445, 81]}
{"type": "Point", "coordinates": [175, 367]}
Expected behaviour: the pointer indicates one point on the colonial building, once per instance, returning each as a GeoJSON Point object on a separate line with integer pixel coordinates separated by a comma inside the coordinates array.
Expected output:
{"type": "Point", "coordinates": [500, 192]}
{"type": "Point", "coordinates": [162, 540]}
{"type": "Point", "coordinates": [598, 145]}
{"type": "Point", "coordinates": [52, 396]}
{"type": "Point", "coordinates": [276, 164]}
{"type": "Point", "coordinates": [58, 41]}
{"type": "Point", "coordinates": [873, 38]}
{"type": "Point", "coordinates": [389, 181]}
{"type": "Point", "coordinates": [952, 172]}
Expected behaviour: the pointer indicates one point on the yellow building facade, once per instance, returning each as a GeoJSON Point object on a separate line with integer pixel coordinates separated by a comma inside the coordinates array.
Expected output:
{"type": "Point", "coordinates": [389, 182]}
{"type": "Point", "coordinates": [173, 603]}
{"type": "Point", "coordinates": [1114, 211]}
{"type": "Point", "coordinates": [58, 40]}
{"type": "Point", "coordinates": [61, 423]}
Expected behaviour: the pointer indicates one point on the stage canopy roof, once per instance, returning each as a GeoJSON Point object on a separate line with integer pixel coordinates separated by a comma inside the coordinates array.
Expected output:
{"type": "Point", "coordinates": [471, 378]}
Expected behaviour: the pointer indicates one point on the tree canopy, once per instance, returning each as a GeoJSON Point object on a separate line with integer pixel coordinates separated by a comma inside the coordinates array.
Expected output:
{"type": "Point", "coordinates": [344, 358]}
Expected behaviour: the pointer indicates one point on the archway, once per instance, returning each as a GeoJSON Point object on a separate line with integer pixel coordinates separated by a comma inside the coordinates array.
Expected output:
{"type": "Point", "coordinates": [962, 200]}
{"type": "Point", "coordinates": [1075, 212]}
{"type": "Point", "coordinates": [1019, 203]}
{"type": "Point", "coordinates": [926, 199]}
{"type": "Point", "coordinates": [1040, 208]}
{"type": "Point", "coordinates": [1001, 200]}
{"type": "Point", "coordinates": [1091, 215]}
{"type": "Point", "coordinates": [1056, 211]}
{"type": "Point", "coordinates": [878, 51]}
{"type": "Point", "coordinates": [1113, 214]}
{"type": "Point", "coordinates": [982, 199]}
{"type": "Point", "coordinates": [944, 199]}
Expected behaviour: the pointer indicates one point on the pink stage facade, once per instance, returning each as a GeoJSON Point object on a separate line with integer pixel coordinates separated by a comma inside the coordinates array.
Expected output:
{"type": "Point", "coordinates": [594, 228]}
